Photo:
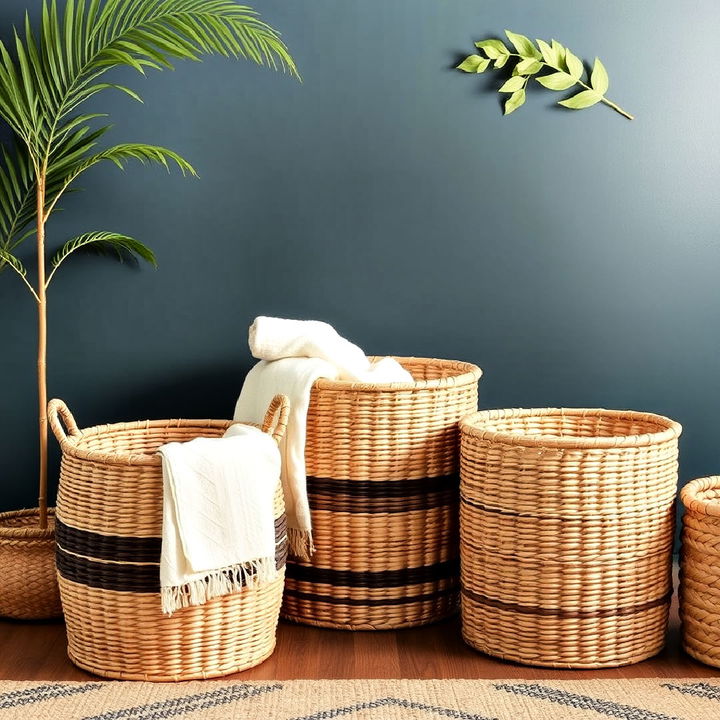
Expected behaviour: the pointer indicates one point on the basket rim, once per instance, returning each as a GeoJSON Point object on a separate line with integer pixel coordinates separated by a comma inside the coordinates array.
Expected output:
{"type": "Point", "coordinates": [26, 532]}
{"type": "Point", "coordinates": [671, 429]}
{"type": "Point", "coordinates": [71, 445]}
{"type": "Point", "coordinates": [692, 496]}
{"type": "Point", "coordinates": [467, 373]}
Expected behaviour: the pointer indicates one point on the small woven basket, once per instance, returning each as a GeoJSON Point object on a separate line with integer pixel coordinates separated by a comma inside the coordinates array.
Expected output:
{"type": "Point", "coordinates": [700, 570]}
{"type": "Point", "coordinates": [567, 521]}
{"type": "Point", "coordinates": [382, 465]}
{"type": "Point", "coordinates": [29, 588]}
{"type": "Point", "coordinates": [109, 529]}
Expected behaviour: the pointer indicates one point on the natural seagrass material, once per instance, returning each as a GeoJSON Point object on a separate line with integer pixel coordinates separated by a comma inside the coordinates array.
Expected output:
{"type": "Point", "coordinates": [660, 698]}
{"type": "Point", "coordinates": [29, 589]}
{"type": "Point", "coordinates": [567, 520]}
{"type": "Point", "coordinates": [109, 529]}
{"type": "Point", "coordinates": [382, 464]}
{"type": "Point", "coordinates": [700, 570]}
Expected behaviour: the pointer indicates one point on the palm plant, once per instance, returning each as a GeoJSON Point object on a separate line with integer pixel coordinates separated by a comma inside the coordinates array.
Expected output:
{"type": "Point", "coordinates": [44, 81]}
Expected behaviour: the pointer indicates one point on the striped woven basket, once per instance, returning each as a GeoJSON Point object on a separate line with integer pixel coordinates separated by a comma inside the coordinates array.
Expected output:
{"type": "Point", "coordinates": [700, 570]}
{"type": "Point", "coordinates": [109, 525]}
{"type": "Point", "coordinates": [567, 521]}
{"type": "Point", "coordinates": [382, 463]}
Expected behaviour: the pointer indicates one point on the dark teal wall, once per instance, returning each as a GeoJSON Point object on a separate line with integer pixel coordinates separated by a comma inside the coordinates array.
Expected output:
{"type": "Point", "coordinates": [574, 256]}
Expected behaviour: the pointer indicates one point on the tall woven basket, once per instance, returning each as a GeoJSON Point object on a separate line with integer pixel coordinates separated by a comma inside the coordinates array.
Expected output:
{"type": "Point", "coordinates": [109, 525]}
{"type": "Point", "coordinates": [700, 570]}
{"type": "Point", "coordinates": [382, 464]}
{"type": "Point", "coordinates": [567, 521]}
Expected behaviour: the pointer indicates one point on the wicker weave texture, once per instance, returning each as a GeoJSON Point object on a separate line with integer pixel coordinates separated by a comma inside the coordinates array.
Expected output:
{"type": "Point", "coordinates": [382, 464]}
{"type": "Point", "coordinates": [567, 521]}
{"type": "Point", "coordinates": [109, 528]}
{"type": "Point", "coordinates": [700, 570]}
{"type": "Point", "coordinates": [29, 589]}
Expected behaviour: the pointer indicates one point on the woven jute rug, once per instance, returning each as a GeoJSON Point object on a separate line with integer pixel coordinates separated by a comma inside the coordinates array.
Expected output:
{"type": "Point", "coordinates": [661, 699]}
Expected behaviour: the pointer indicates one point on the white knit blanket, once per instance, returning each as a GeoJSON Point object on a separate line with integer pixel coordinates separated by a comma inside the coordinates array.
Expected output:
{"type": "Point", "coordinates": [218, 521]}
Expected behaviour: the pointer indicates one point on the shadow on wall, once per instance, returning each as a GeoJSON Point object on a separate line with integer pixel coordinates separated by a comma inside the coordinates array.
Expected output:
{"type": "Point", "coordinates": [207, 392]}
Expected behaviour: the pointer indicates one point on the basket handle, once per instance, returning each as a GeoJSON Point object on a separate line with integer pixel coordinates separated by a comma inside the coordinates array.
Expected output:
{"type": "Point", "coordinates": [56, 410]}
{"type": "Point", "coordinates": [276, 417]}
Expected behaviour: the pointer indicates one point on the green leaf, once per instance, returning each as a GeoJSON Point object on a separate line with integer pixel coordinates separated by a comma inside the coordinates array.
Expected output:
{"type": "Point", "coordinates": [530, 66]}
{"type": "Point", "coordinates": [473, 64]}
{"type": "Point", "coordinates": [557, 81]}
{"type": "Point", "coordinates": [574, 65]}
{"type": "Point", "coordinates": [599, 78]}
{"type": "Point", "coordinates": [7, 258]}
{"type": "Point", "coordinates": [550, 54]}
{"type": "Point", "coordinates": [514, 101]}
{"type": "Point", "coordinates": [583, 99]}
{"type": "Point", "coordinates": [122, 246]}
{"type": "Point", "coordinates": [513, 84]}
{"type": "Point", "coordinates": [523, 45]}
{"type": "Point", "coordinates": [560, 50]}
{"type": "Point", "coordinates": [500, 62]}
{"type": "Point", "coordinates": [493, 48]}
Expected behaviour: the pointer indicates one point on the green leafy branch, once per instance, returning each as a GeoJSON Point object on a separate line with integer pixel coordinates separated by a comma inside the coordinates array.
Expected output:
{"type": "Point", "coordinates": [567, 71]}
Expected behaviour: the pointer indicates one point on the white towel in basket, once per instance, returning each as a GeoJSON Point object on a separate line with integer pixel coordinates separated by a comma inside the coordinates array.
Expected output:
{"type": "Point", "coordinates": [218, 522]}
{"type": "Point", "coordinates": [293, 377]}
{"type": "Point", "coordinates": [293, 355]}
{"type": "Point", "coordinates": [272, 338]}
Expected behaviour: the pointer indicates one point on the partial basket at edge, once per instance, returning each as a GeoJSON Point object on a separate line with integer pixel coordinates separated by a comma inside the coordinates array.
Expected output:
{"type": "Point", "coordinates": [382, 465]}
{"type": "Point", "coordinates": [700, 570]}
{"type": "Point", "coordinates": [567, 520]}
{"type": "Point", "coordinates": [109, 529]}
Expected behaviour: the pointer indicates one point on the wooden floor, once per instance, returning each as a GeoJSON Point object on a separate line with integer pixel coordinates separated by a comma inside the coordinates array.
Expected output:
{"type": "Point", "coordinates": [36, 651]}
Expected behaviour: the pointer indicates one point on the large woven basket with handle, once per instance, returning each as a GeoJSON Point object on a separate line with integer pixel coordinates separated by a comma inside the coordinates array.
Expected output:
{"type": "Point", "coordinates": [567, 520]}
{"type": "Point", "coordinates": [109, 529]}
{"type": "Point", "coordinates": [700, 570]}
{"type": "Point", "coordinates": [382, 465]}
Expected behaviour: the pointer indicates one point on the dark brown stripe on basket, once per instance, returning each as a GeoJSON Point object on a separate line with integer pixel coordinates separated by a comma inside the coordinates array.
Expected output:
{"type": "Point", "coordinates": [376, 505]}
{"type": "Point", "coordinates": [559, 612]}
{"type": "Point", "coordinates": [108, 547]}
{"type": "Point", "coordinates": [401, 489]}
{"type": "Point", "coordinates": [124, 548]}
{"type": "Point", "coordinates": [123, 577]}
{"type": "Point", "coordinates": [376, 579]}
{"type": "Point", "coordinates": [370, 602]}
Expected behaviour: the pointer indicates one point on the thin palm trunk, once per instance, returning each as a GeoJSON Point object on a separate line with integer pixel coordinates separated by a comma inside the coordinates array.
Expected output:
{"type": "Point", "coordinates": [42, 351]}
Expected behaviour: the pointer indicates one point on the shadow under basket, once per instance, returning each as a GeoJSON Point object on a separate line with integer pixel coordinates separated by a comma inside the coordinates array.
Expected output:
{"type": "Point", "coordinates": [27, 566]}
{"type": "Point", "coordinates": [383, 486]}
{"type": "Point", "coordinates": [109, 533]}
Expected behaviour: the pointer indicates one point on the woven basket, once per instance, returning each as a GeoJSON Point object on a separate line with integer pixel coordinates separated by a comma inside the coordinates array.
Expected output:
{"type": "Point", "coordinates": [700, 570]}
{"type": "Point", "coordinates": [382, 464]}
{"type": "Point", "coordinates": [109, 525]}
{"type": "Point", "coordinates": [567, 521]}
{"type": "Point", "coordinates": [29, 589]}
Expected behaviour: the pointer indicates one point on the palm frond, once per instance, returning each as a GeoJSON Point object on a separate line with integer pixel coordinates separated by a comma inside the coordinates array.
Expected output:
{"type": "Point", "coordinates": [122, 246]}
{"type": "Point", "coordinates": [118, 155]}
{"type": "Point", "coordinates": [95, 37]}
{"type": "Point", "coordinates": [18, 186]}
{"type": "Point", "coordinates": [7, 259]}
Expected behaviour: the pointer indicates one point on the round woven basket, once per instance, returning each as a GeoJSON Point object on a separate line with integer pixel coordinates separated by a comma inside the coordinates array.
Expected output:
{"type": "Point", "coordinates": [382, 465]}
{"type": "Point", "coordinates": [109, 529]}
{"type": "Point", "coordinates": [567, 521]}
{"type": "Point", "coordinates": [700, 570]}
{"type": "Point", "coordinates": [29, 589]}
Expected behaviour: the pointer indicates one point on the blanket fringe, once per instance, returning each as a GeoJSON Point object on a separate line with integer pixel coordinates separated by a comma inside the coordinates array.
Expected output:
{"type": "Point", "coordinates": [218, 583]}
{"type": "Point", "coordinates": [301, 543]}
